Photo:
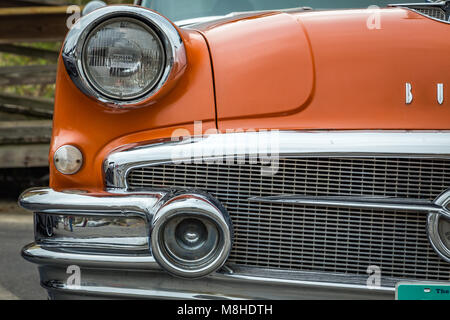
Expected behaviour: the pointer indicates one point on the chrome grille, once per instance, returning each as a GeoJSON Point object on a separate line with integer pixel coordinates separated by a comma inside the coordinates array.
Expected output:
{"type": "Point", "coordinates": [335, 240]}
{"type": "Point", "coordinates": [308, 238]}
{"type": "Point", "coordinates": [436, 13]}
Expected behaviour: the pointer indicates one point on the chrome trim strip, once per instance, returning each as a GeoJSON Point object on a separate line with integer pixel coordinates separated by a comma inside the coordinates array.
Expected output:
{"type": "Point", "coordinates": [46, 200]}
{"type": "Point", "coordinates": [270, 281]}
{"type": "Point", "coordinates": [361, 202]}
{"type": "Point", "coordinates": [73, 49]}
{"type": "Point", "coordinates": [204, 19]}
{"type": "Point", "coordinates": [217, 286]}
{"type": "Point", "coordinates": [96, 290]}
{"type": "Point", "coordinates": [36, 254]}
{"type": "Point", "coordinates": [105, 233]}
{"type": "Point", "coordinates": [425, 4]}
{"type": "Point", "coordinates": [418, 144]}
{"type": "Point", "coordinates": [311, 277]}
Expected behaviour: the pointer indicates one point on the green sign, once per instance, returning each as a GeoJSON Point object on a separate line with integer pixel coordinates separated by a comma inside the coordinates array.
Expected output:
{"type": "Point", "coordinates": [422, 291]}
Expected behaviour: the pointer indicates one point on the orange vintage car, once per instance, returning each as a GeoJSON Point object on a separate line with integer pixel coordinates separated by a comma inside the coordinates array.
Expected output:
{"type": "Point", "coordinates": [249, 149]}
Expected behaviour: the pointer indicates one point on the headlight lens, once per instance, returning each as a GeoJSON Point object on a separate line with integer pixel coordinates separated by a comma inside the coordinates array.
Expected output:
{"type": "Point", "coordinates": [123, 58]}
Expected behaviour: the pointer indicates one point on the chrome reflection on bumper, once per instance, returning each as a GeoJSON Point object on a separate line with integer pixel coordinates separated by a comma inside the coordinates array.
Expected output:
{"type": "Point", "coordinates": [46, 256]}
{"type": "Point", "coordinates": [103, 276]}
{"type": "Point", "coordinates": [124, 220]}
{"type": "Point", "coordinates": [67, 203]}
{"type": "Point", "coordinates": [107, 233]}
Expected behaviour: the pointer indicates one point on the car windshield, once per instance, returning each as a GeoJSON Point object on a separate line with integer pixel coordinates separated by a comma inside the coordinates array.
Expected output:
{"type": "Point", "coordinates": [178, 10]}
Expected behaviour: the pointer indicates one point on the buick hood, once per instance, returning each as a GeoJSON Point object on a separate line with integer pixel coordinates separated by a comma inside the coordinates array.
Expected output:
{"type": "Point", "coordinates": [344, 69]}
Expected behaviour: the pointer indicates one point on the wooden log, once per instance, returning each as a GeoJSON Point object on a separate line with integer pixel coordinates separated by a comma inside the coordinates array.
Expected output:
{"type": "Point", "coordinates": [31, 24]}
{"type": "Point", "coordinates": [27, 3]}
{"type": "Point", "coordinates": [13, 3]}
{"type": "Point", "coordinates": [29, 52]}
{"type": "Point", "coordinates": [49, 2]}
{"type": "Point", "coordinates": [25, 132]}
{"type": "Point", "coordinates": [39, 107]}
{"type": "Point", "coordinates": [37, 74]}
{"type": "Point", "coordinates": [9, 116]}
{"type": "Point", "coordinates": [24, 156]}
{"type": "Point", "coordinates": [33, 11]}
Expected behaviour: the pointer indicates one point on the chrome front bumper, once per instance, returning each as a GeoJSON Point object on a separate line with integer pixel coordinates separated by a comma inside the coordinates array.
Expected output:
{"type": "Point", "coordinates": [138, 275]}
{"type": "Point", "coordinates": [129, 274]}
{"type": "Point", "coordinates": [155, 284]}
{"type": "Point", "coordinates": [129, 278]}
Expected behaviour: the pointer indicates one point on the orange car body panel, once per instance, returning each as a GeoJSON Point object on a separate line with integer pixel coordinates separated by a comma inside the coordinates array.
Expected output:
{"type": "Point", "coordinates": [359, 73]}
{"type": "Point", "coordinates": [97, 129]}
{"type": "Point", "coordinates": [306, 70]}
{"type": "Point", "coordinates": [262, 66]}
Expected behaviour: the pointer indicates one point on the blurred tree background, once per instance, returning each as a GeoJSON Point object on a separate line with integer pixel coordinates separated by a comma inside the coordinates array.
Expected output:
{"type": "Point", "coordinates": [41, 90]}
{"type": "Point", "coordinates": [27, 89]}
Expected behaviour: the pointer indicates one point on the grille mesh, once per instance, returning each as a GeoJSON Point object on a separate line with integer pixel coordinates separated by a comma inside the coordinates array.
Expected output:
{"type": "Point", "coordinates": [308, 238]}
{"type": "Point", "coordinates": [436, 13]}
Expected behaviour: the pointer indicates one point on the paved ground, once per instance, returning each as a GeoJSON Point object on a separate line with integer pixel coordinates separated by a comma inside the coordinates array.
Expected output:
{"type": "Point", "coordinates": [19, 279]}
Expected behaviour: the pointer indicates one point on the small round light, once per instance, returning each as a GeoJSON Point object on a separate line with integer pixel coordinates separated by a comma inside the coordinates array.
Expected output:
{"type": "Point", "coordinates": [191, 235]}
{"type": "Point", "coordinates": [123, 58]}
{"type": "Point", "coordinates": [68, 159]}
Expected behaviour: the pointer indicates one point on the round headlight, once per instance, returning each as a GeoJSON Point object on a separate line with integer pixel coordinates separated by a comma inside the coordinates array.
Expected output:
{"type": "Point", "coordinates": [191, 235]}
{"type": "Point", "coordinates": [124, 55]}
{"type": "Point", "coordinates": [123, 58]}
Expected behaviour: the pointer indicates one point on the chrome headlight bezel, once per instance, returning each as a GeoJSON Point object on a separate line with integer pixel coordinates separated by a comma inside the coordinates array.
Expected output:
{"type": "Point", "coordinates": [74, 45]}
{"type": "Point", "coordinates": [202, 207]}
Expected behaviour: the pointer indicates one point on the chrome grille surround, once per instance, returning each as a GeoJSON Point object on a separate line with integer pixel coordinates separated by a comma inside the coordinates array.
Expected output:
{"type": "Point", "coordinates": [324, 176]}
{"type": "Point", "coordinates": [436, 10]}
{"type": "Point", "coordinates": [307, 238]}
{"type": "Point", "coordinates": [435, 13]}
